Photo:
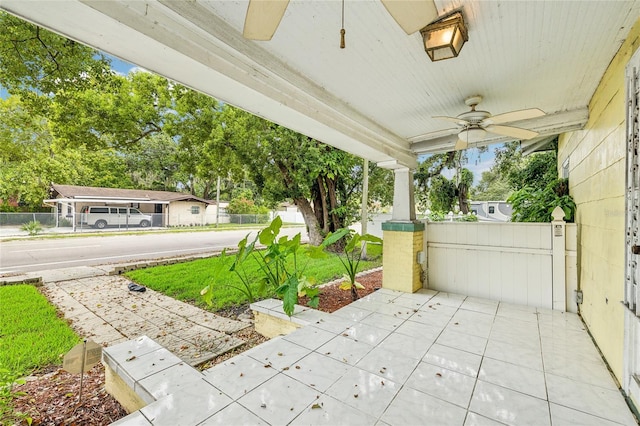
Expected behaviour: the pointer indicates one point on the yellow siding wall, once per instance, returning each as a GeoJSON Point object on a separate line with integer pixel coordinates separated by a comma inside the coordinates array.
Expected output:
{"type": "Point", "coordinates": [597, 183]}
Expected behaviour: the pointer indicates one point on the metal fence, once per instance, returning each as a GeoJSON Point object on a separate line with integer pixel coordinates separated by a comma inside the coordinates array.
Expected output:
{"type": "Point", "coordinates": [19, 219]}
{"type": "Point", "coordinates": [11, 222]}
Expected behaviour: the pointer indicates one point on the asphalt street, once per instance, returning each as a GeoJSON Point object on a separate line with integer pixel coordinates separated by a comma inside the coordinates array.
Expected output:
{"type": "Point", "coordinates": [25, 255]}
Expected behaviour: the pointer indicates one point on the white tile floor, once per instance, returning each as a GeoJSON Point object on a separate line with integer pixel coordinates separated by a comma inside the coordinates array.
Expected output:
{"type": "Point", "coordinates": [407, 359]}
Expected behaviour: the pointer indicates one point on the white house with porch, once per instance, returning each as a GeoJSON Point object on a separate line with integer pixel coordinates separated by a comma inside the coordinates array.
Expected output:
{"type": "Point", "coordinates": [166, 208]}
{"type": "Point", "coordinates": [529, 70]}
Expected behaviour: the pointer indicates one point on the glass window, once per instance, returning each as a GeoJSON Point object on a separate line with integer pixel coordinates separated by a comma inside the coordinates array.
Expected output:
{"type": "Point", "coordinates": [122, 211]}
{"type": "Point", "coordinates": [492, 210]}
{"type": "Point", "coordinates": [99, 210]}
{"type": "Point", "coordinates": [134, 211]}
{"type": "Point", "coordinates": [195, 209]}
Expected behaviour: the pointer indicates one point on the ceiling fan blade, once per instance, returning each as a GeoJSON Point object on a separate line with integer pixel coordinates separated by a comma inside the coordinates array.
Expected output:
{"type": "Point", "coordinates": [411, 15]}
{"type": "Point", "coordinates": [456, 120]}
{"type": "Point", "coordinates": [460, 145]}
{"type": "Point", "coordinates": [508, 117]}
{"type": "Point", "coordinates": [263, 18]}
{"type": "Point", "coordinates": [514, 132]}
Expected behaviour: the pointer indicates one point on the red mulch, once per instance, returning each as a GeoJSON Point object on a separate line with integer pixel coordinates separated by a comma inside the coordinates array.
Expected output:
{"type": "Point", "coordinates": [333, 298]}
{"type": "Point", "coordinates": [51, 398]}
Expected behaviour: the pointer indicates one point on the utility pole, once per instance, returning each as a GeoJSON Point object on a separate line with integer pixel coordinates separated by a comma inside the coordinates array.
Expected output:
{"type": "Point", "coordinates": [218, 202]}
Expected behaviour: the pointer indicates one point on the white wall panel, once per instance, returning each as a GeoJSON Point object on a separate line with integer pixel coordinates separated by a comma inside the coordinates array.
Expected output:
{"type": "Point", "coordinates": [508, 262]}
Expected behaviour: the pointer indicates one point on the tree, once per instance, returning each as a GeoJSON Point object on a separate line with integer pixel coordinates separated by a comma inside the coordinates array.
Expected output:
{"type": "Point", "coordinates": [537, 169]}
{"type": "Point", "coordinates": [118, 114]}
{"type": "Point", "coordinates": [169, 136]}
{"type": "Point", "coordinates": [319, 179]}
{"type": "Point", "coordinates": [37, 64]}
{"type": "Point", "coordinates": [533, 180]}
{"type": "Point", "coordinates": [442, 194]}
{"type": "Point", "coordinates": [31, 158]}
{"type": "Point", "coordinates": [436, 191]}
{"type": "Point", "coordinates": [492, 187]}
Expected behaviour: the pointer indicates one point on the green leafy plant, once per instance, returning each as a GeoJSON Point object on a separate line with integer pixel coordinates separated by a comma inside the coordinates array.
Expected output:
{"type": "Point", "coordinates": [466, 218]}
{"type": "Point", "coordinates": [536, 205]}
{"type": "Point", "coordinates": [442, 216]}
{"type": "Point", "coordinates": [278, 268]}
{"type": "Point", "coordinates": [7, 382]}
{"type": "Point", "coordinates": [351, 255]}
{"type": "Point", "coordinates": [33, 227]}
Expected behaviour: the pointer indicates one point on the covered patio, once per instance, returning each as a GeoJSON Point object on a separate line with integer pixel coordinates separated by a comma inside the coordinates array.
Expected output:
{"type": "Point", "coordinates": [391, 358]}
{"type": "Point", "coordinates": [377, 98]}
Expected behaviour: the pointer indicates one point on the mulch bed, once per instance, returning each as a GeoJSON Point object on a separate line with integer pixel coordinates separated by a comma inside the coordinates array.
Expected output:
{"type": "Point", "coordinates": [333, 298]}
{"type": "Point", "coordinates": [51, 397]}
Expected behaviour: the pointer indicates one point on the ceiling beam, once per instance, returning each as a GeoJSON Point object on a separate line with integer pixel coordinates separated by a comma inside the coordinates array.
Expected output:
{"type": "Point", "coordinates": [547, 125]}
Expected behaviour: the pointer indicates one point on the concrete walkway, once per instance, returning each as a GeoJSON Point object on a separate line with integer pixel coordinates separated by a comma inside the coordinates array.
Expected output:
{"type": "Point", "coordinates": [102, 308]}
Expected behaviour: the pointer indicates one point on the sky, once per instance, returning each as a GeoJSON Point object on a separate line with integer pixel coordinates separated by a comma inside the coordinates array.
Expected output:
{"type": "Point", "coordinates": [120, 66]}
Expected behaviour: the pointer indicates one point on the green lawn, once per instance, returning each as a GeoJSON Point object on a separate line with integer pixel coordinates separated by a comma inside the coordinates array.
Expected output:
{"type": "Point", "coordinates": [184, 281]}
{"type": "Point", "coordinates": [31, 336]}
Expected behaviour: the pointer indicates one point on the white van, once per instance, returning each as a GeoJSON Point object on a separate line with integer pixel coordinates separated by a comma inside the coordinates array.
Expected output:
{"type": "Point", "coordinates": [102, 216]}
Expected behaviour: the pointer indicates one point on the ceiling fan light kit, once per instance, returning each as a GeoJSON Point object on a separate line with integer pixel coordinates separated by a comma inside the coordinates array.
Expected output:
{"type": "Point", "coordinates": [475, 124]}
{"type": "Point", "coordinates": [444, 38]}
{"type": "Point", "coordinates": [472, 135]}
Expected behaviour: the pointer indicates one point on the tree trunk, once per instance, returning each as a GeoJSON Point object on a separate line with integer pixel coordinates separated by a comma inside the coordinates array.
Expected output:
{"type": "Point", "coordinates": [333, 203]}
{"type": "Point", "coordinates": [323, 204]}
{"type": "Point", "coordinates": [463, 198]}
{"type": "Point", "coordinates": [313, 227]}
{"type": "Point", "coordinates": [317, 203]}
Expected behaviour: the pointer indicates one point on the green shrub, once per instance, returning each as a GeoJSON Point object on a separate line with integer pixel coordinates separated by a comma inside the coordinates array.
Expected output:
{"type": "Point", "coordinates": [536, 205]}
{"type": "Point", "coordinates": [33, 228]}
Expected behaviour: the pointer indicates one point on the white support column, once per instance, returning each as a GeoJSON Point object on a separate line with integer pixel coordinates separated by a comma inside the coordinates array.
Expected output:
{"type": "Point", "coordinates": [73, 216]}
{"type": "Point", "coordinates": [403, 200]}
{"type": "Point", "coordinates": [559, 272]}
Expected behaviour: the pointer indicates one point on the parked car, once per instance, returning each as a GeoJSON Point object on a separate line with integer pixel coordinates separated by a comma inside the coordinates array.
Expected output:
{"type": "Point", "coordinates": [102, 216]}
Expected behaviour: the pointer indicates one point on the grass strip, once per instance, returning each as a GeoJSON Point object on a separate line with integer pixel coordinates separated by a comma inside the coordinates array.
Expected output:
{"type": "Point", "coordinates": [31, 333]}
{"type": "Point", "coordinates": [32, 336]}
{"type": "Point", "coordinates": [183, 281]}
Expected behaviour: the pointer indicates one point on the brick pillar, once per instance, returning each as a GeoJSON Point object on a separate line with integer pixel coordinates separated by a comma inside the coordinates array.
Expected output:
{"type": "Point", "coordinates": [402, 241]}
{"type": "Point", "coordinates": [402, 238]}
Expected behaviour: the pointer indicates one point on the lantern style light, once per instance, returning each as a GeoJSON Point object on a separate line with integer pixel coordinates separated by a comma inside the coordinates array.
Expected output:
{"type": "Point", "coordinates": [444, 38]}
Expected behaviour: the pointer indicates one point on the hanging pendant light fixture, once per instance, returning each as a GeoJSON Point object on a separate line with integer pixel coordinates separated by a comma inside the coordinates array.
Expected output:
{"type": "Point", "coordinates": [444, 38]}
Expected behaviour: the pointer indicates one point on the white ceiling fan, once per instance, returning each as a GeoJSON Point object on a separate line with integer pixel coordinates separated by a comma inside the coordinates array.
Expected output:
{"type": "Point", "coordinates": [475, 124]}
{"type": "Point", "coordinates": [264, 16]}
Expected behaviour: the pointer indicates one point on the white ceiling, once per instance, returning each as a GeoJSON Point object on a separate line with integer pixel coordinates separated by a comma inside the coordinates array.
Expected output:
{"type": "Point", "coordinates": [376, 98]}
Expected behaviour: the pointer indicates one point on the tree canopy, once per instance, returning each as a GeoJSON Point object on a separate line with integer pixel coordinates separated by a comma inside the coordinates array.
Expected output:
{"type": "Point", "coordinates": [71, 120]}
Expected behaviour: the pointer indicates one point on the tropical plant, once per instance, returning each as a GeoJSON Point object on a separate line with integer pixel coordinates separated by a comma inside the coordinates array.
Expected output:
{"type": "Point", "coordinates": [33, 227]}
{"type": "Point", "coordinates": [7, 382]}
{"type": "Point", "coordinates": [536, 205]}
{"type": "Point", "coordinates": [351, 256]}
{"type": "Point", "coordinates": [278, 265]}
